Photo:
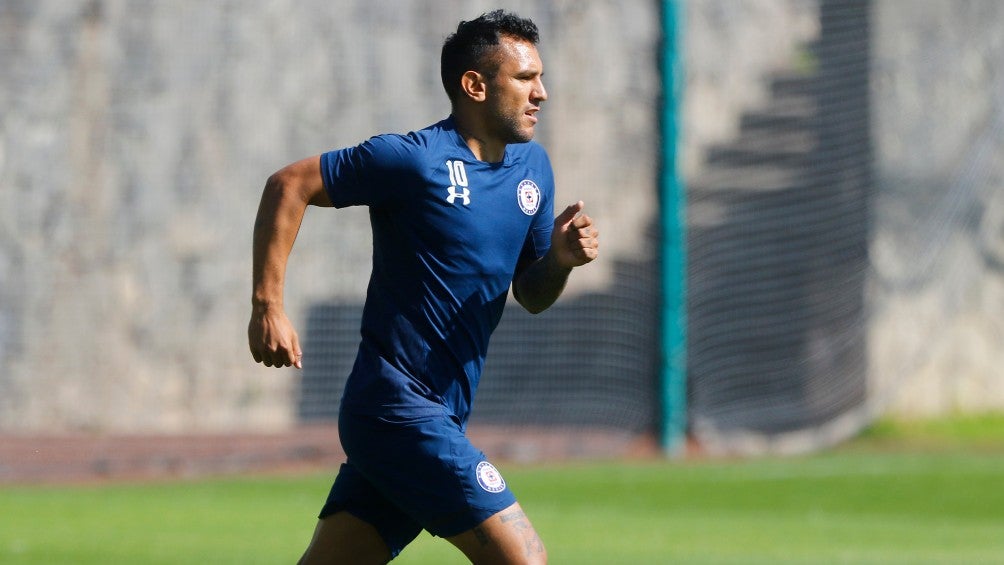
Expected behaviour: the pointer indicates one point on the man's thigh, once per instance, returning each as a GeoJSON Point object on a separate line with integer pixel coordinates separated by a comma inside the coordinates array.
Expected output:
{"type": "Point", "coordinates": [354, 495]}
{"type": "Point", "coordinates": [506, 538]}
{"type": "Point", "coordinates": [343, 538]}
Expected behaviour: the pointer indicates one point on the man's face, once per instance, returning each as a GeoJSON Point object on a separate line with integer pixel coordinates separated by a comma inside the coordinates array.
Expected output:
{"type": "Point", "coordinates": [515, 92]}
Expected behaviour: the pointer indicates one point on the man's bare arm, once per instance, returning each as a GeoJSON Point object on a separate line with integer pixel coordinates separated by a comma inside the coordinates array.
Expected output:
{"type": "Point", "coordinates": [574, 242]}
{"type": "Point", "coordinates": [288, 192]}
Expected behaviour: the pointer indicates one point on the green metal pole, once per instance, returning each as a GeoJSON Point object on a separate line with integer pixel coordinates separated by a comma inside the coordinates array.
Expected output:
{"type": "Point", "coordinates": [673, 240]}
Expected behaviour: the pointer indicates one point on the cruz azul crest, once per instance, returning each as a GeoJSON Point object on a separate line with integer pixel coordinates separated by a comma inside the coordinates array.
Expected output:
{"type": "Point", "coordinates": [528, 196]}
{"type": "Point", "coordinates": [489, 477]}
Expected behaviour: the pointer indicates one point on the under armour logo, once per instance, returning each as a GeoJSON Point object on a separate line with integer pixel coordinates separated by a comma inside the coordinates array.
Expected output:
{"type": "Point", "coordinates": [465, 194]}
{"type": "Point", "coordinates": [458, 177]}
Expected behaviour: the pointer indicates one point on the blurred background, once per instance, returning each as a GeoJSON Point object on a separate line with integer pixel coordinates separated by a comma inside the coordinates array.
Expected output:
{"type": "Point", "coordinates": [807, 194]}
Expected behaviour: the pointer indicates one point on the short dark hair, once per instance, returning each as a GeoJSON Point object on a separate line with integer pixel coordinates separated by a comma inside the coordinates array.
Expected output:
{"type": "Point", "coordinates": [472, 47]}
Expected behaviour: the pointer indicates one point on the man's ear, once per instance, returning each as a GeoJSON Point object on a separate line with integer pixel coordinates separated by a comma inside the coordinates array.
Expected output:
{"type": "Point", "coordinates": [473, 85]}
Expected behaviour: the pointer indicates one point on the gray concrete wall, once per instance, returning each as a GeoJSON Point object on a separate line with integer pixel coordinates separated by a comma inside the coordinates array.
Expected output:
{"type": "Point", "coordinates": [937, 289]}
{"type": "Point", "coordinates": [732, 48]}
{"type": "Point", "coordinates": [936, 284]}
{"type": "Point", "coordinates": [135, 138]}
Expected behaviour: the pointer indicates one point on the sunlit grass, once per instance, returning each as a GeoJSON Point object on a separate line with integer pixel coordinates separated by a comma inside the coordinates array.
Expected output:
{"type": "Point", "coordinates": [905, 493]}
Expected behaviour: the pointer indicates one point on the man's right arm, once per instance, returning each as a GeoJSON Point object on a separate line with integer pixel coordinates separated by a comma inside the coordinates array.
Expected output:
{"type": "Point", "coordinates": [287, 193]}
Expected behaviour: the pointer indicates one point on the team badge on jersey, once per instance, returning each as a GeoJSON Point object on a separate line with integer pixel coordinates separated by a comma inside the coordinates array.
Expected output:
{"type": "Point", "coordinates": [489, 477]}
{"type": "Point", "coordinates": [528, 196]}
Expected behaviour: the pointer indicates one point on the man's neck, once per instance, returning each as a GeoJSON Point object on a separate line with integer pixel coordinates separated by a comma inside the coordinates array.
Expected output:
{"type": "Point", "coordinates": [480, 143]}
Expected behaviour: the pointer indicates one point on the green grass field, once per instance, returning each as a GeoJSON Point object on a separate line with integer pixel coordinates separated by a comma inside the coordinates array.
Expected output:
{"type": "Point", "coordinates": [920, 494]}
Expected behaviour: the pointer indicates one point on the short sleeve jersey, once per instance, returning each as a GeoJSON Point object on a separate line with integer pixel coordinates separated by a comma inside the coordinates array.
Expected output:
{"type": "Point", "coordinates": [448, 232]}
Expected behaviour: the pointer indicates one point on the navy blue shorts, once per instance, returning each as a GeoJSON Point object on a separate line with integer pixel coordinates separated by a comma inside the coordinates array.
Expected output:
{"type": "Point", "coordinates": [404, 475]}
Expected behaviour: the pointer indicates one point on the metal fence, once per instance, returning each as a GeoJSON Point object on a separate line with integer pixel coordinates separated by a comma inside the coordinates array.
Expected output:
{"type": "Point", "coordinates": [844, 221]}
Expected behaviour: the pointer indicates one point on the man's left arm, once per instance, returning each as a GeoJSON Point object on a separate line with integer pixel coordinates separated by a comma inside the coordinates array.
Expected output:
{"type": "Point", "coordinates": [574, 242]}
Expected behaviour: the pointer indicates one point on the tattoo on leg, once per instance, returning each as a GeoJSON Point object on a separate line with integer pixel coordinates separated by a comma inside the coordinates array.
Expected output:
{"type": "Point", "coordinates": [530, 538]}
{"type": "Point", "coordinates": [533, 544]}
{"type": "Point", "coordinates": [481, 536]}
{"type": "Point", "coordinates": [514, 515]}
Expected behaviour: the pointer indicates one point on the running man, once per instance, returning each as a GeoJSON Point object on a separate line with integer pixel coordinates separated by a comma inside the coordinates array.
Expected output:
{"type": "Point", "coordinates": [460, 211]}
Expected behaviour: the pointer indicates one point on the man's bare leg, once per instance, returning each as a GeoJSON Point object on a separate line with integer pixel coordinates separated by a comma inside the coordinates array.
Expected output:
{"type": "Point", "coordinates": [343, 538]}
{"type": "Point", "coordinates": [507, 538]}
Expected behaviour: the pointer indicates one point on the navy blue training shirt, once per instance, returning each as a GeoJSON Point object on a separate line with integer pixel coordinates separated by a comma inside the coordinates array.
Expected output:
{"type": "Point", "coordinates": [448, 231]}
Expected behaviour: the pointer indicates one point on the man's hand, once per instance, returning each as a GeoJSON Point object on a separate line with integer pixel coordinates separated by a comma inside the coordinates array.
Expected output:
{"type": "Point", "coordinates": [273, 340]}
{"type": "Point", "coordinates": [574, 240]}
